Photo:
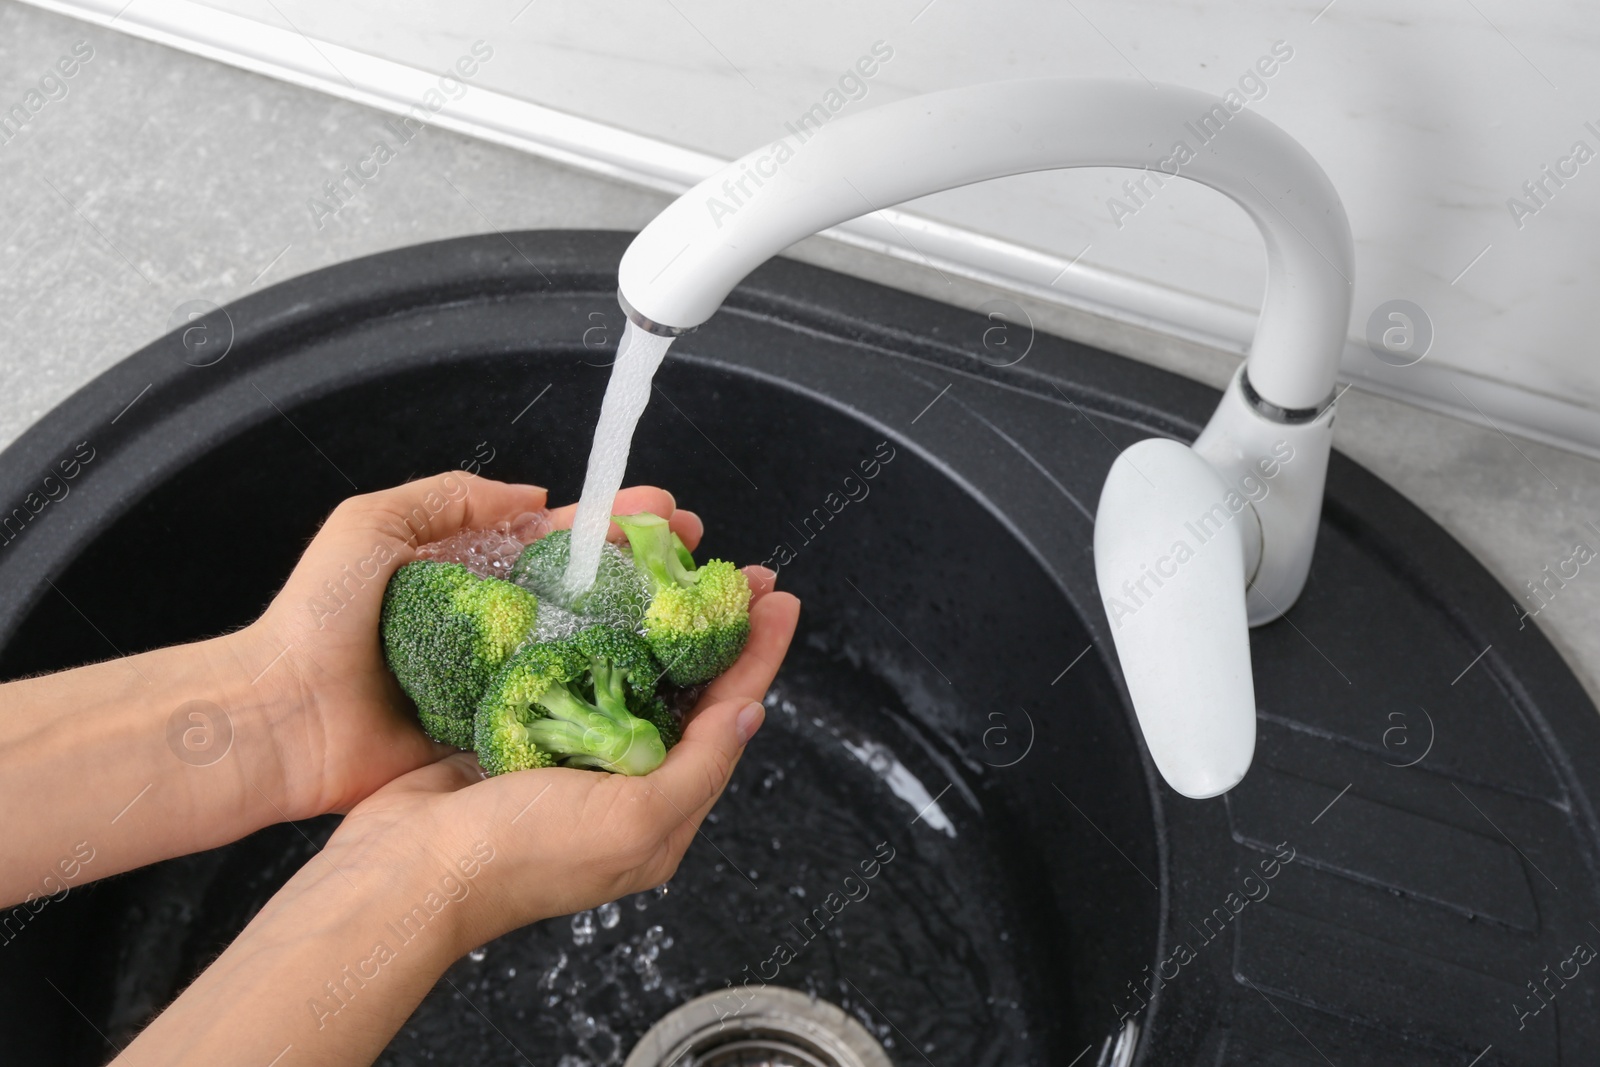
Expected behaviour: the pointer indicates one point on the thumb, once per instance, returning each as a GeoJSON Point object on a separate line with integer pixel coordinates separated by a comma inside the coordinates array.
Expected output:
{"type": "Point", "coordinates": [368, 537]}
{"type": "Point", "coordinates": [429, 509]}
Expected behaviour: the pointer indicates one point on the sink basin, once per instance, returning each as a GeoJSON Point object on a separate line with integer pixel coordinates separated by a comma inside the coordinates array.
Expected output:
{"type": "Point", "coordinates": [952, 717]}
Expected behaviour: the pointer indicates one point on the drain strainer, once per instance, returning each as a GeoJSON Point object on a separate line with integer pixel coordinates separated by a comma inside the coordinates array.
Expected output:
{"type": "Point", "coordinates": [766, 1027]}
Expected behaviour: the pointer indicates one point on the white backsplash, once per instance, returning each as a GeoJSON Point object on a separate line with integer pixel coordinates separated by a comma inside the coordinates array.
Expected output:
{"type": "Point", "coordinates": [1429, 117]}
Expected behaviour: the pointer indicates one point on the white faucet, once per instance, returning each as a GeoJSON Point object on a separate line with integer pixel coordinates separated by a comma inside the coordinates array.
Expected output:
{"type": "Point", "coordinates": [1192, 545]}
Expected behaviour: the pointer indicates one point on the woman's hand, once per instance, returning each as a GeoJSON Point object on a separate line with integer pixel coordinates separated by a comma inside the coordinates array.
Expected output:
{"type": "Point", "coordinates": [440, 861]}
{"type": "Point", "coordinates": [318, 644]}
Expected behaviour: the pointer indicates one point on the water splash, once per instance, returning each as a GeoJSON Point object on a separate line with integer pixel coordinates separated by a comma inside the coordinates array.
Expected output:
{"type": "Point", "coordinates": [583, 928]}
{"type": "Point", "coordinates": [638, 355]}
{"type": "Point", "coordinates": [489, 553]}
{"type": "Point", "coordinates": [556, 623]}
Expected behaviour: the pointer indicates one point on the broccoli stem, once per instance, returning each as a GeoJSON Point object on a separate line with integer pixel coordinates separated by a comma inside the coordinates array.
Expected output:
{"type": "Point", "coordinates": [609, 695]}
{"type": "Point", "coordinates": [603, 734]}
{"type": "Point", "coordinates": [562, 703]}
{"type": "Point", "coordinates": [560, 737]}
{"type": "Point", "coordinates": [657, 550]}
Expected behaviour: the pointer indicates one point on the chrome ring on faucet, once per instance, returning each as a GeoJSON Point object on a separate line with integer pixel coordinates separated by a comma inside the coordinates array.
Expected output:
{"type": "Point", "coordinates": [1287, 416]}
{"type": "Point", "coordinates": [648, 325]}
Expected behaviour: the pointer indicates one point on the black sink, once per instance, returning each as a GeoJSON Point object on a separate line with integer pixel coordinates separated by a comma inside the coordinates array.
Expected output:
{"type": "Point", "coordinates": [952, 700]}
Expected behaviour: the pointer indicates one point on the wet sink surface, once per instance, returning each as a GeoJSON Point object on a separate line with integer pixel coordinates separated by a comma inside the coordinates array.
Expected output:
{"type": "Point", "coordinates": [952, 719]}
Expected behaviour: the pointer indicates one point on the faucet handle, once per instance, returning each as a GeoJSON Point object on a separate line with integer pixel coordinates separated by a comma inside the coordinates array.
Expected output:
{"type": "Point", "coordinates": [1173, 556]}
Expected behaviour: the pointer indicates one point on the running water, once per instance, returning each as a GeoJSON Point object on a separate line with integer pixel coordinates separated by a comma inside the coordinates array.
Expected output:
{"type": "Point", "coordinates": [638, 355]}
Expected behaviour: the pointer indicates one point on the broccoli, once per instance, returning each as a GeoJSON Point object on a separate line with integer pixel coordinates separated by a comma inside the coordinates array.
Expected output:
{"type": "Point", "coordinates": [576, 702]}
{"type": "Point", "coordinates": [617, 598]}
{"type": "Point", "coordinates": [657, 714]}
{"type": "Point", "coordinates": [445, 633]}
{"type": "Point", "coordinates": [698, 619]}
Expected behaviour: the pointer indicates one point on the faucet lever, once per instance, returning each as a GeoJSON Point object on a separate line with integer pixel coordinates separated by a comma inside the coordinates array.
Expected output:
{"type": "Point", "coordinates": [1173, 556]}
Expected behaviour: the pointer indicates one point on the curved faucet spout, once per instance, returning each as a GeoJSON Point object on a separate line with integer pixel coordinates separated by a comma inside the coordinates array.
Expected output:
{"type": "Point", "coordinates": [681, 267]}
{"type": "Point", "coordinates": [1192, 546]}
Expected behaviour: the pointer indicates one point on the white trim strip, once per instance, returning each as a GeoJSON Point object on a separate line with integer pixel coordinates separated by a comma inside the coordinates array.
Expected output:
{"type": "Point", "coordinates": [615, 153]}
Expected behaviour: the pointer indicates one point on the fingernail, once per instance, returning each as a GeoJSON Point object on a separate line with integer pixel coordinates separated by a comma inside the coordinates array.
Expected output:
{"type": "Point", "coordinates": [749, 721]}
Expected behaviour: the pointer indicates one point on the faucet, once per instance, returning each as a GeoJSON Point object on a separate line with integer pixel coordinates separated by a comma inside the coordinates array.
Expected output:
{"type": "Point", "coordinates": [1193, 544]}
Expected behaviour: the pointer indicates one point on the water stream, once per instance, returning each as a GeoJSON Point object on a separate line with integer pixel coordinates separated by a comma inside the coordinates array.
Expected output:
{"type": "Point", "coordinates": [639, 353]}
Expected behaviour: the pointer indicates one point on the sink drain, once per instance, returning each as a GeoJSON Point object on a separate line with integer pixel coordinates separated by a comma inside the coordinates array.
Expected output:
{"type": "Point", "coordinates": [775, 1028]}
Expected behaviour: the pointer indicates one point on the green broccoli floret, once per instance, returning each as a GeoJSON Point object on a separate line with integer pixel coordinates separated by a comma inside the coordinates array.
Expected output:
{"type": "Point", "coordinates": [657, 714]}
{"type": "Point", "coordinates": [698, 618]}
{"type": "Point", "coordinates": [446, 632]}
{"type": "Point", "coordinates": [576, 702]}
{"type": "Point", "coordinates": [617, 598]}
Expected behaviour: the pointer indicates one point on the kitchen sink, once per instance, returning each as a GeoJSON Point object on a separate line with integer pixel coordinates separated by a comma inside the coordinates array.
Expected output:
{"type": "Point", "coordinates": [1415, 842]}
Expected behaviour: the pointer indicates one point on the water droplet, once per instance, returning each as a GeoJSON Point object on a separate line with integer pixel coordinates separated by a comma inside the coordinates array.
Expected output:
{"type": "Point", "coordinates": [776, 844]}
{"type": "Point", "coordinates": [661, 890]}
{"type": "Point", "coordinates": [548, 981]}
{"type": "Point", "coordinates": [511, 972]}
{"type": "Point", "coordinates": [583, 928]}
{"type": "Point", "coordinates": [477, 955]}
{"type": "Point", "coordinates": [798, 891]}
{"type": "Point", "coordinates": [610, 915]}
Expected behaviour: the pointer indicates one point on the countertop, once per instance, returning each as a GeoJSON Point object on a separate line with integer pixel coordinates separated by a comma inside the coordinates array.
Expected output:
{"type": "Point", "coordinates": [159, 178]}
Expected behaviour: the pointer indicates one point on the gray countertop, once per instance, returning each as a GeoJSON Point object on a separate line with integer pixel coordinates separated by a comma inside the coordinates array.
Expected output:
{"type": "Point", "coordinates": [160, 178]}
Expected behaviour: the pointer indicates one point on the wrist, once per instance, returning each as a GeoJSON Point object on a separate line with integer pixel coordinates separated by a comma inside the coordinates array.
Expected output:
{"type": "Point", "coordinates": [332, 966]}
{"type": "Point", "coordinates": [337, 718]}
{"type": "Point", "coordinates": [439, 899]}
{"type": "Point", "coordinates": [263, 724]}
{"type": "Point", "coordinates": [183, 753]}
